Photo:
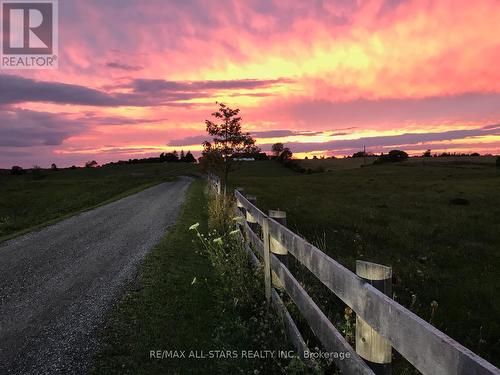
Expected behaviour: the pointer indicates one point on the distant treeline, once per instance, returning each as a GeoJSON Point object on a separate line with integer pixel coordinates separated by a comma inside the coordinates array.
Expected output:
{"type": "Point", "coordinates": [426, 154]}
{"type": "Point", "coordinates": [284, 157]}
{"type": "Point", "coordinates": [165, 157]}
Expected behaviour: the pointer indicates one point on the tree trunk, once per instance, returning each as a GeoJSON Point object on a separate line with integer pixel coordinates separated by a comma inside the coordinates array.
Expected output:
{"type": "Point", "coordinates": [226, 176]}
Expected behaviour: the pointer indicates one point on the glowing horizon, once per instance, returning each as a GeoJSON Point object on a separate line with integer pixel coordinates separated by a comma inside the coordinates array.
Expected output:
{"type": "Point", "coordinates": [325, 77]}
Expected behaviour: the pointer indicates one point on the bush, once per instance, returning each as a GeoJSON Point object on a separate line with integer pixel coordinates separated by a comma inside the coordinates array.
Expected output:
{"type": "Point", "coordinates": [392, 157]}
{"type": "Point", "coordinates": [221, 213]}
{"type": "Point", "coordinates": [17, 170]}
{"type": "Point", "coordinates": [294, 166]}
{"type": "Point", "coordinates": [241, 290]}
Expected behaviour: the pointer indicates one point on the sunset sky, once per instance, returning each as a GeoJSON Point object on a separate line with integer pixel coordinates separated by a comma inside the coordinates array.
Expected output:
{"type": "Point", "coordinates": [137, 78]}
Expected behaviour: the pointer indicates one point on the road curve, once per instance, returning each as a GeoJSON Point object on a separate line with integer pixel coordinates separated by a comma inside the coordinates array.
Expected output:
{"type": "Point", "coordinates": [56, 284]}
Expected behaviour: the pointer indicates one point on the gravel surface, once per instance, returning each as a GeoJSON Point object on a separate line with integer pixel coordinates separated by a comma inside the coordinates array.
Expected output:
{"type": "Point", "coordinates": [57, 284]}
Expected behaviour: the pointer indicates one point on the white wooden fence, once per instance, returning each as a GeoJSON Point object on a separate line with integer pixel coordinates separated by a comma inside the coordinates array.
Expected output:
{"type": "Point", "coordinates": [425, 347]}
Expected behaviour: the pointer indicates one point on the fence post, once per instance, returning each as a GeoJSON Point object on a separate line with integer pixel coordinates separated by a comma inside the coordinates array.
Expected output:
{"type": "Point", "coordinates": [276, 247]}
{"type": "Point", "coordinates": [372, 347]}
{"type": "Point", "coordinates": [238, 203]}
{"type": "Point", "coordinates": [267, 259]}
{"type": "Point", "coordinates": [252, 223]}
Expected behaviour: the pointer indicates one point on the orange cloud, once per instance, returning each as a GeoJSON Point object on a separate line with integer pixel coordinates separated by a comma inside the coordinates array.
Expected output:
{"type": "Point", "coordinates": [383, 66]}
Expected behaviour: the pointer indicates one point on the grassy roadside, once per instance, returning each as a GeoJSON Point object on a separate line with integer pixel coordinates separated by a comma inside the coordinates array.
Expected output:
{"type": "Point", "coordinates": [84, 209]}
{"type": "Point", "coordinates": [178, 303]}
{"type": "Point", "coordinates": [165, 310]}
{"type": "Point", "coordinates": [31, 201]}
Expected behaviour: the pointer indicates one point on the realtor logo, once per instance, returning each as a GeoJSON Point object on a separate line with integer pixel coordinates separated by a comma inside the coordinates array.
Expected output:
{"type": "Point", "coordinates": [29, 34]}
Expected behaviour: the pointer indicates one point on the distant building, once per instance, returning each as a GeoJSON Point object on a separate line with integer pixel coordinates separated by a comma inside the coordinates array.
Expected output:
{"type": "Point", "coordinates": [244, 159]}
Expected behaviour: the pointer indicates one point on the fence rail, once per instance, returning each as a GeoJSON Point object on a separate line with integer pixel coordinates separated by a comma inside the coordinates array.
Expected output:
{"type": "Point", "coordinates": [425, 347]}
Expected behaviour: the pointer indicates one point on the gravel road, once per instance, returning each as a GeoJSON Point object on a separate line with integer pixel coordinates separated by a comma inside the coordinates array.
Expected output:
{"type": "Point", "coordinates": [57, 284]}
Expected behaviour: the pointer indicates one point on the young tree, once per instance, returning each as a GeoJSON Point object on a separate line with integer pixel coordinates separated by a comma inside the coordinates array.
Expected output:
{"type": "Point", "coordinates": [91, 164]}
{"type": "Point", "coordinates": [182, 157]}
{"type": "Point", "coordinates": [170, 157]}
{"type": "Point", "coordinates": [189, 158]}
{"type": "Point", "coordinates": [228, 140]}
{"type": "Point", "coordinates": [286, 154]}
{"type": "Point", "coordinates": [277, 149]}
{"type": "Point", "coordinates": [53, 167]}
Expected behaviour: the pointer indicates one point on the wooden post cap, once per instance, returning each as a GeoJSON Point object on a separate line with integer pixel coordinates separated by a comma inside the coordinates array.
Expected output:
{"type": "Point", "coordinates": [372, 347]}
{"type": "Point", "coordinates": [279, 216]}
{"type": "Point", "coordinates": [251, 198]}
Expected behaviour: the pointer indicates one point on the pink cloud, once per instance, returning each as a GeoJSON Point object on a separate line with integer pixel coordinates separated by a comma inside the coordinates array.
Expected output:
{"type": "Point", "coordinates": [151, 71]}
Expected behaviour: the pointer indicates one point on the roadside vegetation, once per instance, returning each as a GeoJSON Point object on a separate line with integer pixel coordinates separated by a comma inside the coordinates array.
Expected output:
{"type": "Point", "coordinates": [436, 224]}
{"type": "Point", "coordinates": [38, 196]}
{"type": "Point", "coordinates": [197, 297]}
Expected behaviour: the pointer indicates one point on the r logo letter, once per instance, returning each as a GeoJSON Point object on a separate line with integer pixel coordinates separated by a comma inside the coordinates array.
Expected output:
{"type": "Point", "coordinates": [28, 27]}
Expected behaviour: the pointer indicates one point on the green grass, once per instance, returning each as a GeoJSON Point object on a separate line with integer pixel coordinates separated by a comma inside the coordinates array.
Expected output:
{"type": "Point", "coordinates": [165, 310]}
{"type": "Point", "coordinates": [31, 200]}
{"type": "Point", "coordinates": [329, 165]}
{"type": "Point", "coordinates": [400, 215]}
{"type": "Point", "coordinates": [260, 169]}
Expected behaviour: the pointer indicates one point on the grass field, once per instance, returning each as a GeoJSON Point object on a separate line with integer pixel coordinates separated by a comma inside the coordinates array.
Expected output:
{"type": "Point", "coordinates": [33, 199]}
{"type": "Point", "coordinates": [329, 165]}
{"type": "Point", "coordinates": [407, 216]}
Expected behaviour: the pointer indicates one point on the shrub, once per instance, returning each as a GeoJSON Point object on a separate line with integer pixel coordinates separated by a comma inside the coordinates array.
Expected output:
{"type": "Point", "coordinates": [91, 164]}
{"type": "Point", "coordinates": [294, 166]}
{"type": "Point", "coordinates": [17, 170]}
{"type": "Point", "coordinates": [241, 289]}
{"type": "Point", "coordinates": [392, 157]}
{"type": "Point", "coordinates": [221, 213]}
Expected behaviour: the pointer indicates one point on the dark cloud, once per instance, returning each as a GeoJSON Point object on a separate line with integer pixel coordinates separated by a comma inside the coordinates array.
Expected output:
{"type": "Point", "coordinates": [25, 128]}
{"type": "Point", "coordinates": [364, 112]}
{"type": "Point", "coordinates": [120, 66]}
{"type": "Point", "coordinates": [15, 89]}
{"type": "Point", "coordinates": [273, 133]}
{"type": "Point", "coordinates": [341, 145]}
{"type": "Point", "coordinates": [279, 133]}
{"type": "Point", "coordinates": [187, 141]}
{"type": "Point", "coordinates": [144, 92]}
{"type": "Point", "coordinates": [285, 133]}
{"type": "Point", "coordinates": [407, 139]}
{"type": "Point", "coordinates": [160, 85]}
{"type": "Point", "coordinates": [96, 119]}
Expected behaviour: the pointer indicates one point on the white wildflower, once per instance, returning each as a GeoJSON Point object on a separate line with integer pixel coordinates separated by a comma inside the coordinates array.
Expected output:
{"type": "Point", "coordinates": [194, 226]}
